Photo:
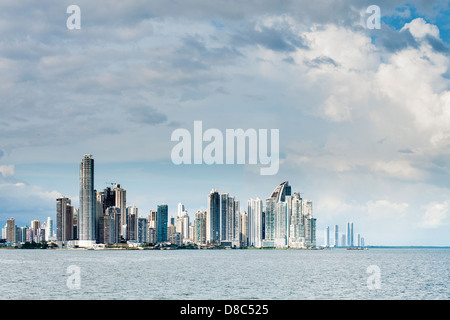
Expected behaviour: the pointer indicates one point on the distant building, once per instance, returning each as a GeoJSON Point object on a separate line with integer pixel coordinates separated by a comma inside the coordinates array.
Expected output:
{"type": "Point", "coordinates": [176, 239]}
{"type": "Point", "coordinates": [64, 219]}
{"type": "Point", "coordinates": [11, 230]}
{"type": "Point", "coordinates": [200, 230]}
{"type": "Point", "coordinates": [336, 236]}
{"type": "Point", "coordinates": [121, 203]}
{"type": "Point", "coordinates": [162, 215]}
{"type": "Point", "coordinates": [142, 230]}
{"type": "Point", "coordinates": [87, 214]}
{"type": "Point", "coordinates": [244, 229]}
{"type": "Point", "coordinates": [254, 224]}
{"type": "Point", "coordinates": [327, 237]}
{"type": "Point", "coordinates": [213, 217]}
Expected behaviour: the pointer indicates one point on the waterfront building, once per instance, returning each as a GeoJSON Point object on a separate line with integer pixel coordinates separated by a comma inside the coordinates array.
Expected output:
{"type": "Point", "coordinates": [243, 230]}
{"type": "Point", "coordinates": [327, 237]}
{"type": "Point", "coordinates": [64, 219]}
{"type": "Point", "coordinates": [162, 215]}
{"type": "Point", "coordinates": [11, 230]}
{"type": "Point", "coordinates": [336, 236]}
{"type": "Point", "coordinates": [121, 203]}
{"type": "Point", "coordinates": [200, 230]}
{"type": "Point", "coordinates": [254, 218]}
{"type": "Point", "coordinates": [142, 230]}
{"type": "Point", "coordinates": [87, 213]}
{"type": "Point", "coordinates": [213, 217]}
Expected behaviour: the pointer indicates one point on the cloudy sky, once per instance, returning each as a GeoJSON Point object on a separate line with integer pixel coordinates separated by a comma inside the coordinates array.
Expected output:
{"type": "Point", "coordinates": [363, 114]}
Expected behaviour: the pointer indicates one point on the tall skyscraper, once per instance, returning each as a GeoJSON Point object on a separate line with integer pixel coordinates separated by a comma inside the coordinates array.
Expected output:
{"type": "Point", "coordinates": [230, 210]}
{"type": "Point", "coordinates": [350, 234]}
{"type": "Point", "coordinates": [243, 230]}
{"type": "Point", "coordinates": [142, 234]}
{"type": "Point", "coordinates": [121, 203]}
{"type": "Point", "coordinates": [162, 215]}
{"type": "Point", "coordinates": [64, 219]}
{"type": "Point", "coordinates": [180, 209]}
{"type": "Point", "coordinates": [132, 222]}
{"type": "Point", "coordinates": [199, 236]}
{"type": "Point", "coordinates": [255, 207]}
{"type": "Point", "coordinates": [49, 230]}
{"type": "Point", "coordinates": [87, 213]}
{"type": "Point", "coordinates": [327, 237]}
{"type": "Point", "coordinates": [336, 236]}
{"type": "Point", "coordinates": [213, 217]}
{"type": "Point", "coordinates": [11, 230]}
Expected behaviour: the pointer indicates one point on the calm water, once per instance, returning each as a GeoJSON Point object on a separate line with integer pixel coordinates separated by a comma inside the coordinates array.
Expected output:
{"type": "Point", "coordinates": [226, 274]}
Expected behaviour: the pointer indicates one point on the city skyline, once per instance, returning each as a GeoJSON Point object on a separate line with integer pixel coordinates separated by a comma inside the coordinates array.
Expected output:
{"type": "Point", "coordinates": [361, 112]}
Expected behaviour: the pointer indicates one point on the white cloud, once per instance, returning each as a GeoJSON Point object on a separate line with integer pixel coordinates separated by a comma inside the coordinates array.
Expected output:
{"type": "Point", "coordinates": [435, 215]}
{"type": "Point", "coordinates": [419, 28]}
{"type": "Point", "coordinates": [7, 170]}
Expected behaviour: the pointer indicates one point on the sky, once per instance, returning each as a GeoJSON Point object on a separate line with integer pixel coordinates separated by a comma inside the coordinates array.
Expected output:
{"type": "Point", "coordinates": [363, 114]}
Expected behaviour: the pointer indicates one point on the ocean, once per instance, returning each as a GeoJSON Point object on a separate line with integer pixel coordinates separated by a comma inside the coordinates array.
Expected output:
{"type": "Point", "coordinates": [252, 274]}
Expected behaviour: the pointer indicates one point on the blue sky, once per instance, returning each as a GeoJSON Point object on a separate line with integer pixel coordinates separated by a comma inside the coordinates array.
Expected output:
{"type": "Point", "coordinates": [363, 114]}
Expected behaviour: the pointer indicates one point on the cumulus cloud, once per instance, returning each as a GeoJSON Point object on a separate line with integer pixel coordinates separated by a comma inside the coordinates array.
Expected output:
{"type": "Point", "coordinates": [435, 215]}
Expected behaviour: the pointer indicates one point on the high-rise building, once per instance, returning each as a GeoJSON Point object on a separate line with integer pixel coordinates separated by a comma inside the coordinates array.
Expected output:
{"type": "Point", "coordinates": [106, 228]}
{"type": "Point", "coordinates": [64, 219]}
{"type": "Point", "coordinates": [185, 228]}
{"type": "Point", "coordinates": [243, 230]}
{"type": "Point", "coordinates": [11, 230]}
{"type": "Point", "coordinates": [35, 224]}
{"type": "Point", "coordinates": [230, 211]}
{"type": "Point", "coordinates": [162, 215]}
{"type": "Point", "coordinates": [271, 210]}
{"type": "Point", "coordinates": [132, 222]}
{"type": "Point", "coordinates": [152, 219]}
{"type": "Point", "coordinates": [87, 213]}
{"type": "Point", "coordinates": [200, 223]}
{"type": "Point", "coordinates": [49, 230]}
{"type": "Point", "coordinates": [213, 217]}
{"type": "Point", "coordinates": [255, 207]}
{"type": "Point", "coordinates": [350, 234]}
{"type": "Point", "coordinates": [142, 230]}
{"type": "Point", "coordinates": [180, 209]}
{"type": "Point", "coordinates": [121, 203]}
{"type": "Point", "coordinates": [327, 237]}
{"type": "Point", "coordinates": [336, 236]}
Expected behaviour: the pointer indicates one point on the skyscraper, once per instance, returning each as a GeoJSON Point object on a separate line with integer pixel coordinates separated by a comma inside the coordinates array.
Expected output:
{"type": "Point", "coordinates": [336, 235]}
{"type": "Point", "coordinates": [11, 230]}
{"type": "Point", "coordinates": [327, 237]}
{"type": "Point", "coordinates": [132, 222]}
{"type": "Point", "coordinates": [162, 215]}
{"type": "Point", "coordinates": [243, 230]}
{"type": "Point", "coordinates": [142, 233]}
{"type": "Point", "coordinates": [64, 219]}
{"type": "Point", "coordinates": [199, 236]}
{"type": "Point", "coordinates": [121, 203]}
{"type": "Point", "coordinates": [350, 234]}
{"type": "Point", "coordinates": [230, 219]}
{"type": "Point", "coordinates": [87, 214]}
{"type": "Point", "coordinates": [49, 230]}
{"type": "Point", "coordinates": [213, 217]}
{"type": "Point", "coordinates": [254, 222]}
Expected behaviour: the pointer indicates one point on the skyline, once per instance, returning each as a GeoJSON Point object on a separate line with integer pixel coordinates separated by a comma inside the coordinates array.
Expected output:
{"type": "Point", "coordinates": [363, 114]}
